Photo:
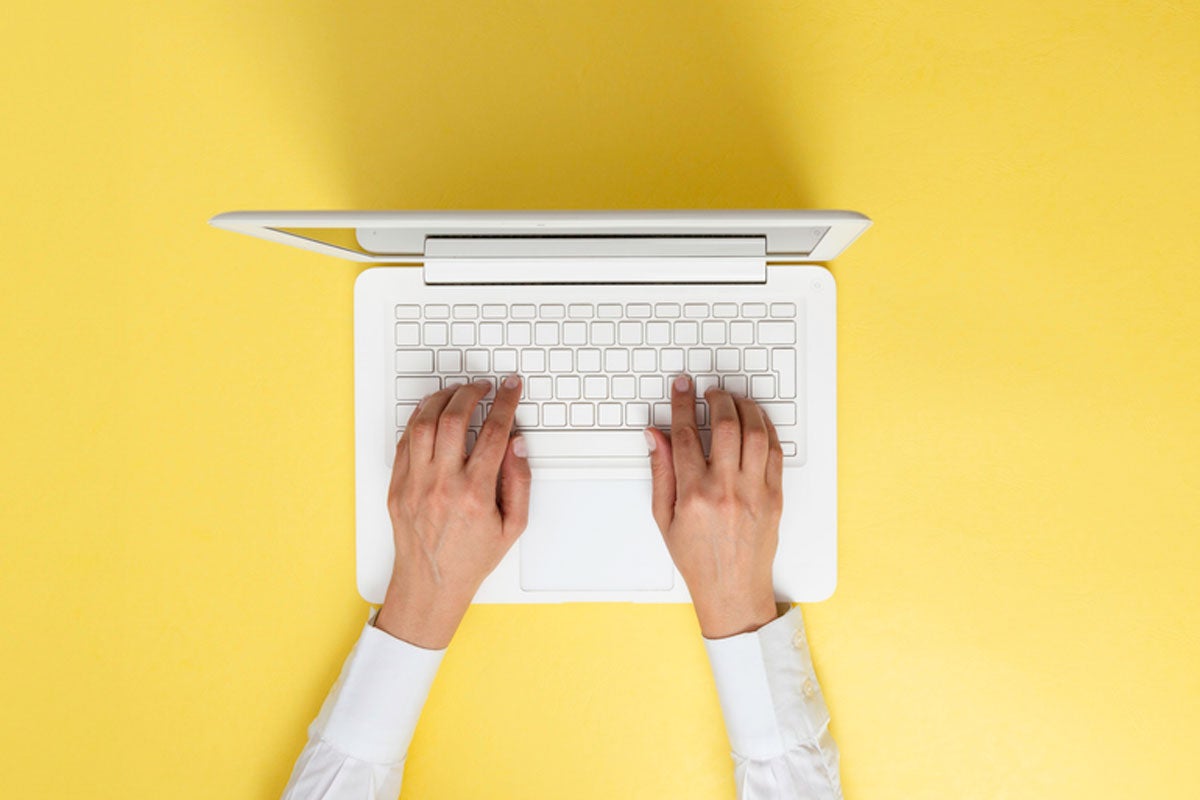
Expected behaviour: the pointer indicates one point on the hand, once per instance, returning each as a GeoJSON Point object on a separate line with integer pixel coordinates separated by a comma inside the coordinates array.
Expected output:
{"type": "Point", "coordinates": [453, 516]}
{"type": "Point", "coordinates": [720, 517]}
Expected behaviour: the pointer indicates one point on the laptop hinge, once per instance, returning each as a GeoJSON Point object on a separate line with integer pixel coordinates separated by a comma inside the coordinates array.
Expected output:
{"type": "Point", "coordinates": [600, 259]}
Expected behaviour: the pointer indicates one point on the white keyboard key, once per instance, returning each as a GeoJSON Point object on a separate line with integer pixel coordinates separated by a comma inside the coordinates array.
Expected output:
{"type": "Point", "coordinates": [588, 360]}
{"type": "Point", "coordinates": [491, 333]}
{"type": "Point", "coordinates": [637, 415]}
{"type": "Point", "coordinates": [650, 387]}
{"type": "Point", "coordinates": [552, 311]}
{"type": "Point", "coordinates": [755, 359]}
{"type": "Point", "coordinates": [520, 334]}
{"type": "Point", "coordinates": [687, 333]}
{"type": "Point", "coordinates": [658, 333]}
{"type": "Point", "coordinates": [416, 388]}
{"type": "Point", "coordinates": [728, 360]}
{"type": "Point", "coordinates": [583, 415]}
{"type": "Point", "coordinates": [471, 437]}
{"type": "Point", "coordinates": [539, 388]}
{"type": "Point", "coordinates": [419, 362]}
{"type": "Point", "coordinates": [554, 415]}
{"type": "Point", "coordinates": [604, 333]}
{"type": "Point", "coordinates": [696, 310]}
{"type": "Point", "coordinates": [789, 448]}
{"type": "Point", "coordinates": [616, 360]}
{"type": "Point", "coordinates": [700, 361]}
{"type": "Point", "coordinates": [662, 415]}
{"type": "Point", "coordinates": [408, 334]}
{"type": "Point", "coordinates": [667, 310]}
{"type": "Point", "coordinates": [783, 310]}
{"type": "Point", "coordinates": [408, 312]}
{"type": "Point", "coordinates": [609, 415]}
{"type": "Point", "coordinates": [706, 382]}
{"type": "Point", "coordinates": [629, 333]}
{"type": "Point", "coordinates": [734, 384]}
{"type": "Point", "coordinates": [566, 387]}
{"type": "Point", "coordinates": [462, 334]}
{"type": "Point", "coordinates": [671, 360]}
{"type": "Point", "coordinates": [595, 387]}
{"type": "Point", "coordinates": [741, 333]}
{"type": "Point", "coordinates": [762, 387]}
{"type": "Point", "coordinates": [436, 334]}
{"type": "Point", "coordinates": [545, 333]}
{"type": "Point", "coordinates": [403, 412]}
{"type": "Point", "coordinates": [701, 414]}
{"type": "Point", "coordinates": [562, 360]}
{"type": "Point", "coordinates": [637, 310]}
{"type": "Point", "coordinates": [477, 415]}
{"type": "Point", "coordinates": [477, 361]}
{"type": "Point", "coordinates": [495, 311]}
{"type": "Point", "coordinates": [504, 361]}
{"type": "Point", "coordinates": [574, 333]}
{"type": "Point", "coordinates": [609, 311]}
{"type": "Point", "coordinates": [780, 413]}
{"type": "Point", "coordinates": [466, 312]}
{"type": "Point", "coordinates": [725, 310]}
{"type": "Point", "coordinates": [624, 387]}
{"type": "Point", "coordinates": [588, 444]}
{"type": "Point", "coordinates": [524, 311]}
{"type": "Point", "coordinates": [449, 361]}
{"type": "Point", "coordinates": [533, 361]}
{"type": "Point", "coordinates": [777, 333]}
{"type": "Point", "coordinates": [712, 332]}
{"type": "Point", "coordinates": [784, 362]}
{"type": "Point", "coordinates": [645, 360]}
{"type": "Point", "coordinates": [527, 415]}
{"type": "Point", "coordinates": [754, 310]}
{"type": "Point", "coordinates": [580, 311]}
{"type": "Point", "coordinates": [437, 312]}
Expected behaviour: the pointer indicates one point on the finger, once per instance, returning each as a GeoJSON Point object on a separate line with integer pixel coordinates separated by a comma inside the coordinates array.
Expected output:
{"type": "Point", "coordinates": [451, 444]}
{"type": "Point", "coordinates": [662, 476]}
{"type": "Point", "coordinates": [493, 438]}
{"type": "Point", "coordinates": [687, 451]}
{"type": "Point", "coordinates": [514, 488]}
{"type": "Point", "coordinates": [400, 462]}
{"type": "Point", "coordinates": [726, 450]}
{"type": "Point", "coordinates": [774, 468]}
{"type": "Point", "coordinates": [755, 440]}
{"type": "Point", "coordinates": [421, 430]}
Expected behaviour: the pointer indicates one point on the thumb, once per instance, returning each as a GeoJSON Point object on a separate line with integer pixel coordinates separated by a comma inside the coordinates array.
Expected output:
{"type": "Point", "coordinates": [662, 473]}
{"type": "Point", "coordinates": [514, 488]}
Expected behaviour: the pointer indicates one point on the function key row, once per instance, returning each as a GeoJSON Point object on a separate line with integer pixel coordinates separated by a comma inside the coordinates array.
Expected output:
{"type": "Point", "coordinates": [597, 311]}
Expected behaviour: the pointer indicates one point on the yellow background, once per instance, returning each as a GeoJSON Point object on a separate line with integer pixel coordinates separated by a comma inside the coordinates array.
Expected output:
{"type": "Point", "coordinates": [1016, 616]}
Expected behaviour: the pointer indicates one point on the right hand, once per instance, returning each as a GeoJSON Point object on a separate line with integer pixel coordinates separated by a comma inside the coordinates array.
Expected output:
{"type": "Point", "coordinates": [720, 517]}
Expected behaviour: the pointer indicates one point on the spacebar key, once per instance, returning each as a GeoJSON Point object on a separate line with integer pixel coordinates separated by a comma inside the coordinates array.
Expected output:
{"type": "Point", "coordinates": [585, 444]}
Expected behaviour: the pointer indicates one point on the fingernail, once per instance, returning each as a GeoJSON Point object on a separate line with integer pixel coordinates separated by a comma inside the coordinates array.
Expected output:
{"type": "Point", "coordinates": [511, 382]}
{"type": "Point", "coordinates": [518, 446]}
{"type": "Point", "coordinates": [651, 443]}
{"type": "Point", "coordinates": [682, 383]}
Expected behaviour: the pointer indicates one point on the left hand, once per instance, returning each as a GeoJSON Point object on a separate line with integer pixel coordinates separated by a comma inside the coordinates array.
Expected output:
{"type": "Point", "coordinates": [453, 516]}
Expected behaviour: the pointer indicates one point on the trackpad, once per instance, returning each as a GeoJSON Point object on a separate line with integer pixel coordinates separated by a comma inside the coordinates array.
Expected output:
{"type": "Point", "coordinates": [593, 535]}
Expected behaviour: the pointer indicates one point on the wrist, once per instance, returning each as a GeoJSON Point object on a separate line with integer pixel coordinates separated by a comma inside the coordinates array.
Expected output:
{"type": "Point", "coordinates": [743, 613]}
{"type": "Point", "coordinates": [426, 619]}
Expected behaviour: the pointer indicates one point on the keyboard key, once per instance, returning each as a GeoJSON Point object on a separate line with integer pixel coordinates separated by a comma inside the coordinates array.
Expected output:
{"type": "Point", "coordinates": [658, 333]}
{"type": "Point", "coordinates": [637, 415]}
{"type": "Point", "coordinates": [539, 388]}
{"type": "Point", "coordinates": [416, 388]}
{"type": "Point", "coordinates": [545, 333]}
{"type": "Point", "coordinates": [437, 312]}
{"type": "Point", "coordinates": [783, 310]}
{"type": "Point", "coordinates": [604, 333]}
{"type": "Point", "coordinates": [504, 361]}
{"type": "Point", "coordinates": [562, 360]}
{"type": "Point", "coordinates": [552, 311]}
{"type": "Point", "coordinates": [780, 413]}
{"type": "Point", "coordinates": [609, 311]}
{"type": "Point", "coordinates": [466, 312]}
{"type": "Point", "coordinates": [554, 415]}
{"type": "Point", "coordinates": [741, 333]}
{"type": "Point", "coordinates": [533, 361]}
{"type": "Point", "coordinates": [725, 310]}
{"type": "Point", "coordinates": [609, 415]}
{"type": "Point", "coordinates": [575, 333]}
{"type": "Point", "coordinates": [495, 311]}
{"type": "Point", "coordinates": [662, 415]}
{"type": "Point", "coordinates": [637, 310]}
{"type": "Point", "coordinates": [784, 362]}
{"type": "Point", "coordinates": [777, 333]}
{"type": "Point", "coordinates": [616, 360]}
{"type": "Point", "coordinates": [583, 415]}
{"type": "Point", "coordinates": [671, 360]}
{"type": "Point", "coordinates": [477, 414]}
{"type": "Point", "coordinates": [712, 332]}
{"type": "Point", "coordinates": [728, 360]}
{"type": "Point", "coordinates": [524, 311]}
{"type": "Point", "coordinates": [645, 360]}
{"type": "Point", "coordinates": [566, 387]}
{"type": "Point", "coordinates": [580, 311]}
{"type": "Point", "coordinates": [588, 360]}
{"type": "Point", "coordinates": [418, 362]}
{"type": "Point", "coordinates": [650, 387]}
{"type": "Point", "coordinates": [408, 334]}
{"type": "Point", "coordinates": [762, 387]}
{"type": "Point", "coordinates": [706, 382]}
{"type": "Point", "coordinates": [754, 310]}
{"type": "Point", "coordinates": [491, 333]}
{"type": "Point", "coordinates": [789, 448]}
{"type": "Point", "coordinates": [755, 359]}
{"type": "Point", "coordinates": [477, 361]}
{"type": "Point", "coordinates": [667, 310]}
{"type": "Point", "coordinates": [403, 412]}
{"type": "Point", "coordinates": [436, 334]}
{"type": "Point", "coordinates": [595, 387]}
{"type": "Point", "coordinates": [701, 415]}
{"type": "Point", "coordinates": [629, 333]}
{"type": "Point", "coordinates": [687, 333]}
{"type": "Point", "coordinates": [449, 361]}
{"type": "Point", "coordinates": [734, 384]}
{"type": "Point", "coordinates": [527, 415]}
{"type": "Point", "coordinates": [462, 333]}
{"type": "Point", "coordinates": [520, 333]}
{"type": "Point", "coordinates": [700, 361]}
{"type": "Point", "coordinates": [696, 310]}
{"type": "Point", "coordinates": [408, 312]}
{"type": "Point", "coordinates": [624, 387]}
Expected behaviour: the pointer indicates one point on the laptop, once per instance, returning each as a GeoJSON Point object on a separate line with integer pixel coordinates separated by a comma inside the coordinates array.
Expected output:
{"type": "Point", "coordinates": [597, 311]}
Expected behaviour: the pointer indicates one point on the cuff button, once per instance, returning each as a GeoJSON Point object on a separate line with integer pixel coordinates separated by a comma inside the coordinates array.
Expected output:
{"type": "Point", "coordinates": [798, 640]}
{"type": "Point", "coordinates": [809, 689]}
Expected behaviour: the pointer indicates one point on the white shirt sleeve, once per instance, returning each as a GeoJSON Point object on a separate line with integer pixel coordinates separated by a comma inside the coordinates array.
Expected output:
{"type": "Point", "coordinates": [356, 745]}
{"type": "Point", "coordinates": [775, 715]}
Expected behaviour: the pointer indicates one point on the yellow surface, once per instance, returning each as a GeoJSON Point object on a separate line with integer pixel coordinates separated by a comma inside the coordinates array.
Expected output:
{"type": "Point", "coordinates": [1019, 354]}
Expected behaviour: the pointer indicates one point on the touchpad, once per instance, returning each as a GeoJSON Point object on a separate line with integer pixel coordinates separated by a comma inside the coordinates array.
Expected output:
{"type": "Point", "coordinates": [593, 535]}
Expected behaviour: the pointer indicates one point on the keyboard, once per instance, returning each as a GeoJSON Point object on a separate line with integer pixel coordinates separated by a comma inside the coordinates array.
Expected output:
{"type": "Point", "coordinates": [596, 374]}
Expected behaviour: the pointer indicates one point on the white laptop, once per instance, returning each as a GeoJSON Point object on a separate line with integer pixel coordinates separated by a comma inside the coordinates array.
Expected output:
{"type": "Point", "coordinates": [597, 311]}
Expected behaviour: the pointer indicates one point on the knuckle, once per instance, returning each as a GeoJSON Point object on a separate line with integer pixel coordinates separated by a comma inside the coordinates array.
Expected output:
{"type": "Point", "coordinates": [725, 427]}
{"type": "Point", "coordinates": [422, 426]}
{"type": "Point", "coordinates": [452, 419]}
{"type": "Point", "coordinates": [756, 436]}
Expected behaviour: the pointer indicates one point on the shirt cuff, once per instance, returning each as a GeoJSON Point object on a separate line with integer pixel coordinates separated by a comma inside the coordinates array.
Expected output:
{"type": "Point", "coordinates": [372, 710]}
{"type": "Point", "coordinates": [768, 688]}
